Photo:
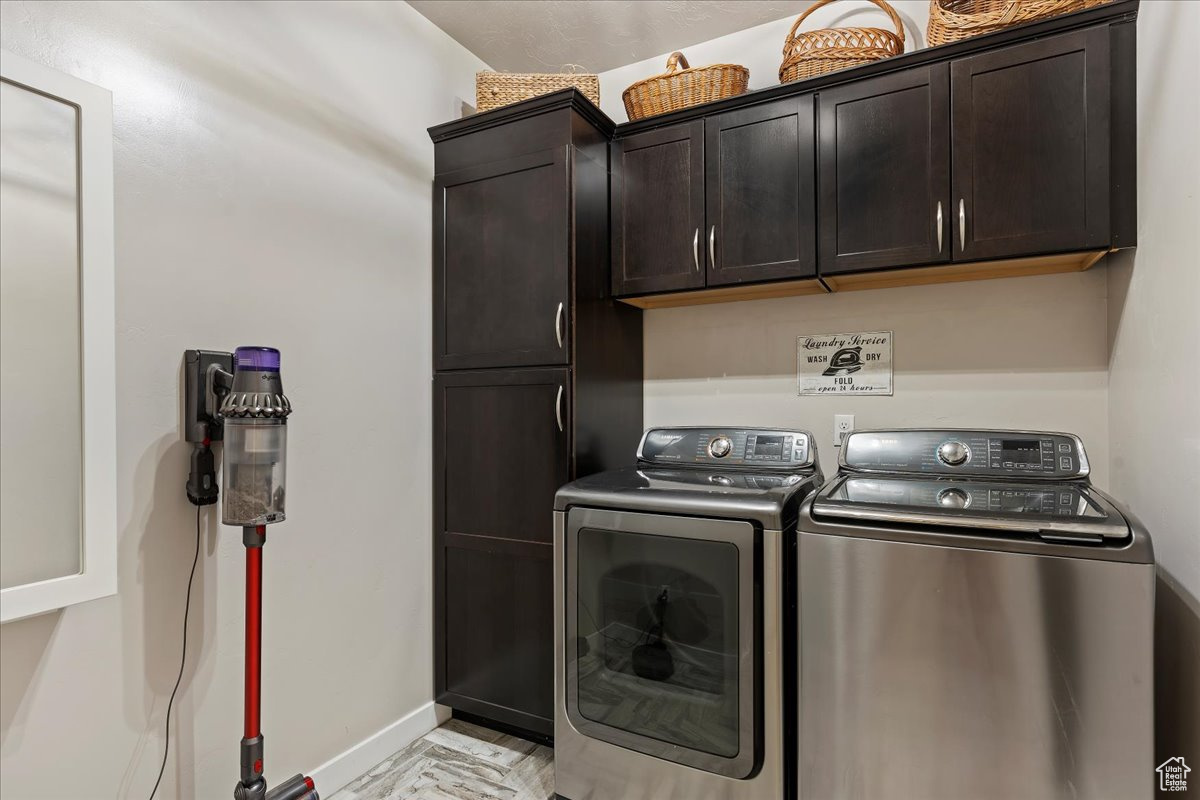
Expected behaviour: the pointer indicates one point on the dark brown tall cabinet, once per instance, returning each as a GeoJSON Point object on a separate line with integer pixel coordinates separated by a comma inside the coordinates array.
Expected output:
{"type": "Point", "coordinates": [538, 380]}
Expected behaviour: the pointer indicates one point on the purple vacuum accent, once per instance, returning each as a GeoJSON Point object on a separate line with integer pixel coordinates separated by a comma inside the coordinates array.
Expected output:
{"type": "Point", "coordinates": [264, 359]}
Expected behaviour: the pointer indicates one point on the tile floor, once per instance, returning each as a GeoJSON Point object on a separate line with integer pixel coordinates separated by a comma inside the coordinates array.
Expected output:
{"type": "Point", "coordinates": [460, 761]}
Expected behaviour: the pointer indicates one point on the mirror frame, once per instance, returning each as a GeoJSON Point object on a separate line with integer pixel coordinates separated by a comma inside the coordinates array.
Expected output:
{"type": "Point", "coordinates": [98, 559]}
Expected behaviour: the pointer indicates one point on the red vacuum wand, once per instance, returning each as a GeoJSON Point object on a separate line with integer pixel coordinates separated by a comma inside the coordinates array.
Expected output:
{"type": "Point", "coordinates": [253, 786]}
{"type": "Point", "coordinates": [254, 633]}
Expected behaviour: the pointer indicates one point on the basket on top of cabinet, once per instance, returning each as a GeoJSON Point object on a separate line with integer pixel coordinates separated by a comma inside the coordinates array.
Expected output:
{"type": "Point", "coordinates": [812, 53]}
{"type": "Point", "coordinates": [683, 86]}
{"type": "Point", "coordinates": [499, 89]}
{"type": "Point", "coordinates": [952, 20]}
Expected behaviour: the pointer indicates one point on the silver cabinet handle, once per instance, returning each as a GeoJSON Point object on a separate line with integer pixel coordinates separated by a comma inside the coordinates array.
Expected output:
{"type": "Point", "coordinates": [696, 249]}
{"type": "Point", "coordinates": [939, 225]}
{"type": "Point", "coordinates": [558, 407]}
{"type": "Point", "coordinates": [558, 328]}
{"type": "Point", "coordinates": [712, 247]}
{"type": "Point", "coordinates": [962, 225]}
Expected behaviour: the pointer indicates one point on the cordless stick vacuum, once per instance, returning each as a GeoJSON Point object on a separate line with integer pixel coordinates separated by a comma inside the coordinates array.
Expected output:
{"type": "Point", "coordinates": [240, 396]}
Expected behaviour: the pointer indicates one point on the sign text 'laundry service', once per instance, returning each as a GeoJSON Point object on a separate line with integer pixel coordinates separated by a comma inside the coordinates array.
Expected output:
{"type": "Point", "coordinates": [845, 363]}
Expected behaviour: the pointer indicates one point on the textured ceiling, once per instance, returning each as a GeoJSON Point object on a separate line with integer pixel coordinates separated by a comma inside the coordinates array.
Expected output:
{"type": "Point", "coordinates": [543, 35]}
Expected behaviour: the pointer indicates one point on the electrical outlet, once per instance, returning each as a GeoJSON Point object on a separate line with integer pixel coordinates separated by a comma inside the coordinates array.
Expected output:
{"type": "Point", "coordinates": [842, 425]}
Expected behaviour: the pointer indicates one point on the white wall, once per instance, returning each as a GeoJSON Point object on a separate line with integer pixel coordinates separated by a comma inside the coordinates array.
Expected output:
{"type": "Point", "coordinates": [1154, 365]}
{"type": "Point", "coordinates": [1020, 353]}
{"type": "Point", "coordinates": [272, 187]}
{"type": "Point", "coordinates": [1024, 353]}
{"type": "Point", "coordinates": [1154, 382]}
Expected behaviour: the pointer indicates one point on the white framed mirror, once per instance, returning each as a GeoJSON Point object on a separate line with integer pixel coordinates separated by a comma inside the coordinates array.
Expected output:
{"type": "Point", "coordinates": [58, 522]}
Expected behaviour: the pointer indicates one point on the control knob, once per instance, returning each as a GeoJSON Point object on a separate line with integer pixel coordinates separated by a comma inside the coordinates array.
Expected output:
{"type": "Point", "coordinates": [953, 498]}
{"type": "Point", "coordinates": [720, 447]}
{"type": "Point", "coordinates": [953, 453]}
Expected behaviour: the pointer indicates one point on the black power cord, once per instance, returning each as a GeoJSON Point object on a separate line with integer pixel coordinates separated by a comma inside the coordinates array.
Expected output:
{"type": "Point", "coordinates": [187, 607]}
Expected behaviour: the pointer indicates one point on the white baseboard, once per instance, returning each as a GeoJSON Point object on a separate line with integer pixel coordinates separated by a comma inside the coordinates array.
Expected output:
{"type": "Point", "coordinates": [345, 767]}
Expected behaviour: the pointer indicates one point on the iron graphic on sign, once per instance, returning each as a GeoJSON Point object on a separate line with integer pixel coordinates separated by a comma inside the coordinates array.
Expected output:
{"type": "Point", "coordinates": [845, 363]}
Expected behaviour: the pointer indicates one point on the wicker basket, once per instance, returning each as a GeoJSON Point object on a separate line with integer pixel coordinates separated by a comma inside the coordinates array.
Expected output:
{"type": "Point", "coordinates": [951, 20]}
{"type": "Point", "coordinates": [682, 88]}
{"type": "Point", "coordinates": [806, 55]}
{"type": "Point", "coordinates": [497, 89]}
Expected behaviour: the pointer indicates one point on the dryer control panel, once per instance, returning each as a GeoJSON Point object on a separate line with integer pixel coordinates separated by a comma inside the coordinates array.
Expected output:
{"type": "Point", "coordinates": [732, 447]}
{"type": "Point", "coordinates": [1031, 454]}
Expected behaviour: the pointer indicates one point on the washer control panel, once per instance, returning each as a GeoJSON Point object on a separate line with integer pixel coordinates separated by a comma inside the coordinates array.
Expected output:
{"type": "Point", "coordinates": [735, 447]}
{"type": "Point", "coordinates": [967, 452]}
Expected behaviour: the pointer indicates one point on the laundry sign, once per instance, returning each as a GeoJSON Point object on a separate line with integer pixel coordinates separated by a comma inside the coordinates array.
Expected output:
{"type": "Point", "coordinates": [845, 363]}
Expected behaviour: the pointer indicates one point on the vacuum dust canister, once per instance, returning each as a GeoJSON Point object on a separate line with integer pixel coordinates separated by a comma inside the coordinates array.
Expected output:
{"type": "Point", "coordinates": [255, 414]}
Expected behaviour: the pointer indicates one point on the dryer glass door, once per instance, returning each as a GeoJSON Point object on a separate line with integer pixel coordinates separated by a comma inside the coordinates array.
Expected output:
{"type": "Point", "coordinates": [661, 636]}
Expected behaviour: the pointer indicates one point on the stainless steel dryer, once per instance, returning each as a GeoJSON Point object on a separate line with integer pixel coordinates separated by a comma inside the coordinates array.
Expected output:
{"type": "Point", "coordinates": [976, 621]}
{"type": "Point", "coordinates": [670, 617]}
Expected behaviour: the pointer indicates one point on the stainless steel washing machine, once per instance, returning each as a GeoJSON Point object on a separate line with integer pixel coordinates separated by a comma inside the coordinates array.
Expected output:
{"type": "Point", "coordinates": [671, 617]}
{"type": "Point", "coordinates": [976, 621]}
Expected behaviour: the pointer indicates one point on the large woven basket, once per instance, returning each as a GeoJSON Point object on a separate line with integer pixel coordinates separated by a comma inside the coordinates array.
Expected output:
{"type": "Point", "coordinates": [951, 20]}
{"type": "Point", "coordinates": [682, 86]}
{"type": "Point", "coordinates": [497, 89]}
{"type": "Point", "coordinates": [806, 55]}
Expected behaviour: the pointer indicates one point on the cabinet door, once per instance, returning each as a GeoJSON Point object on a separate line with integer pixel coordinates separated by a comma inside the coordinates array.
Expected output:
{"type": "Point", "coordinates": [495, 638]}
{"type": "Point", "coordinates": [884, 164]}
{"type": "Point", "coordinates": [759, 192]}
{"type": "Point", "coordinates": [1031, 147]}
{"type": "Point", "coordinates": [501, 271]}
{"type": "Point", "coordinates": [657, 200]}
{"type": "Point", "coordinates": [501, 450]}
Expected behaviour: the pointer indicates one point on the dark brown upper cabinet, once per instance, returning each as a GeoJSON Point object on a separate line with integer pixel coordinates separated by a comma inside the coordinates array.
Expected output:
{"type": "Point", "coordinates": [1031, 127]}
{"type": "Point", "coordinates": [502, 286]}
{"type": "Point", "coordinates": [1009, 153]}
{"type": "Point", "coordinates": [884, 171]}
{"type": "Point", "coordinates": [759, 198]}
{"type": "Point", "coordinates": [657, 195]}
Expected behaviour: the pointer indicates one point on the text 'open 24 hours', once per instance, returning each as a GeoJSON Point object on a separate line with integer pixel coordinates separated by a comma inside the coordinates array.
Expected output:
{"type": "Point", "coordinates": [845, 363]}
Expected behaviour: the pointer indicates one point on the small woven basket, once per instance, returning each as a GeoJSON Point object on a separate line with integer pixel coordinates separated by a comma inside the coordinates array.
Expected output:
{"type": "Point", "coordinates": [806, 55]}
{"type": "Point", "coordinates": [952, 20]}
{"type": "Point", "coordinates": [682, 86]}
{"type": "Point", "coordinates": [498, 89]}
